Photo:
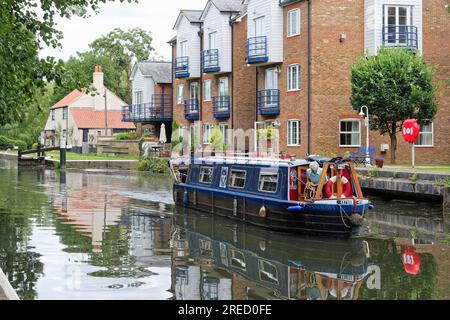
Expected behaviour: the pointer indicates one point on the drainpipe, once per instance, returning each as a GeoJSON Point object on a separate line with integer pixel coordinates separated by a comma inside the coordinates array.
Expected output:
{"type": "Point", "coordinates": [232, 73]}
{"type": "Point", "coordinates": [200, 85]}
{"type": "Point", "coordinates": [309, 77]}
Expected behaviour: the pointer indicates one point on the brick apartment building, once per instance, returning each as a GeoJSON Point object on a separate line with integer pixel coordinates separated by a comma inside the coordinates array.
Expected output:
{"type": "Point", "coordinates": [286, 63]}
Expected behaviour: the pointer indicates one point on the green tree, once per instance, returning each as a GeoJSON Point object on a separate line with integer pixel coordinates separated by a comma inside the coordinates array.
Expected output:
{"type": "Point", "coordinates": [396, 85]}
{"type": "Point", "coordinates": [25, 27]}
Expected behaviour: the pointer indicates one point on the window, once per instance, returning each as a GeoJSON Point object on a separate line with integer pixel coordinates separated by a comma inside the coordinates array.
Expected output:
{"type": "Point", "coordinates": [207, 130]}
{"type": "Point", "coordinates": [183, 49]}
{"type": "Point", "coordinates": [206, 174]}
{"type": "Point", "coordinates": [396, 20]}
{"type": "Point", "coordinates": [293, 23]}
{"type": "Point", "coordinates": [64, 134]}
{"type": "Point", "coordinates": [349, 133]}
{"type": "Point", "coordinates": [207, 90]}
{"type": "Point", "coordinates": [64, 113]}
{"type": "Point", "coordinates": [53, 114]}
{"type": "Point", "coordinates": [206, 248]}
{"type": "Point", "coordinates": [138, 97]}
{"type": "Point", "coordinates": [238, 259]}
{"type": "Point", "coordinates": [293, 133]}
{"type": "Point", "coordinates": [212, 40]}
{"type": "Point", "coordinates": [268, 182]}
{"type": "Point", "coordinates": [426, 135]}
{"type": "Point", "coordinates": [294, 77]}
{"type": "Point", "coordinates": [259, 26]}
{"type": "Point", "coordinates": [237, 178]}
{"type": "Point", "coordinates": [224, 131]}
{"type": "Point", "coordinates": [180, 94]}
{"type": "Point", "coordinates": [268, 271]}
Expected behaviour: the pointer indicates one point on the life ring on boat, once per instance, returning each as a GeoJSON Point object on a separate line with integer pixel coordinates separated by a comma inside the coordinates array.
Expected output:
{"type": "Point", "coordinates": [347, 192]}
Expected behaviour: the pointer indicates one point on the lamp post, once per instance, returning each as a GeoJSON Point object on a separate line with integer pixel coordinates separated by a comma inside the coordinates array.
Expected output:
{"type": "Point", "coordinates": [366, 123]}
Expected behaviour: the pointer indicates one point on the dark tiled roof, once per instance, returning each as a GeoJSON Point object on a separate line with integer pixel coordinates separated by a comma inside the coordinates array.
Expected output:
{"type": "Point", "coordinates": [161, 72]}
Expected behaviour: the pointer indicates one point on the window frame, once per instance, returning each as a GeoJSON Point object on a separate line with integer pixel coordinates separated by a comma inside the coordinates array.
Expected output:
{"type": "Point", "coordinates": [200, 174]}
{"type": "Point", "coordinates": [209, 82]}
{"type": "Point", "coordinates": [432, 137]}
{"type": "Point", "coordinates": [210, 129]}
{"type": "Point", "coordinates": [52, 112]}
{"type": "Point", "coordinates": [289, 141]}
{"type": "Point", "coordinates": [231, 177]}
{"type": "Point", "coordinates": [265, 173]}
{"type": "Point", "coordinates": [347, 132]}
{"type": "Point", "coordinates": [65, 113]}
{"type": "Point", "coordinates": [262, 269]}
{"type": "Point", "coordinates": [289, 22]}
{"type": "Point", "coordinates": [289, 78]}
{"type": "Point", "coordinates": [180, 94]}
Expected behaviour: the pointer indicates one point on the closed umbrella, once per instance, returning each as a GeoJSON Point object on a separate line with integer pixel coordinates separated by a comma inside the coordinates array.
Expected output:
{"type": "Point", "coordinates": [162, 134]}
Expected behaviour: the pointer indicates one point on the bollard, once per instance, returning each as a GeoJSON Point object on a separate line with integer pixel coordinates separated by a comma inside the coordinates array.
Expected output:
{"type": "Point", "coordinates": [62, 157]}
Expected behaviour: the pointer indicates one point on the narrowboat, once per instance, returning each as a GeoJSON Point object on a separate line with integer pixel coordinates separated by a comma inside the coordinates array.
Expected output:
{"type": "Point", "coordinates": [274, 193]}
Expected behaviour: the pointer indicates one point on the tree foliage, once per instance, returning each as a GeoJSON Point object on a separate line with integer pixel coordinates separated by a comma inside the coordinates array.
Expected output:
{"type": "Point", "coordinates": [396, 85]}
{"type": "Point", "coordinates": [25, 27]}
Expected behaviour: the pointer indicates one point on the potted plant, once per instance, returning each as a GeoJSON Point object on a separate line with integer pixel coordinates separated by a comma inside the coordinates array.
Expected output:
{"type": "Point", "coordinates": [379, 162]}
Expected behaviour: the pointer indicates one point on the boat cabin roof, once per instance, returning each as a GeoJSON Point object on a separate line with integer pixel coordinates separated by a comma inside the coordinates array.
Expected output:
{"type": "Point", "coordinates": [264, 162]}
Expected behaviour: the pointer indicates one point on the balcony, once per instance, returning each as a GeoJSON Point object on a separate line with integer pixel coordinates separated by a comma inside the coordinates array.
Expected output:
{"type": "Point", "coordinates": [268, 102]}
{"type": "Point", "coordinates": [191, 109]}
{"type": "Point", "coordinates": [256, 50]}
{"type": "Point", "coordinates": [181, 67]}
{"type": "Point", "coordinates": [221, 107]}
{"type": "Point", "coordinates": [160, 109]}
{"type": "Point", "coordinates": [210, 61]}
{"type": "Point", "coordinates": [400, 36]}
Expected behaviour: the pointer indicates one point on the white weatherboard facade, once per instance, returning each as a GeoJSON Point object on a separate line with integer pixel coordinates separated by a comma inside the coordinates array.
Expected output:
{"type": "Point", "coordinates": [218, 23]}
{"type": "Point", "coordinates": [272, 15]}
{"type": "Point", "coordinates": [374, 21]}
{"type": "Point", "coordinates": [188, 33]}
{"type": "Point", "coordinates": [144, 84]}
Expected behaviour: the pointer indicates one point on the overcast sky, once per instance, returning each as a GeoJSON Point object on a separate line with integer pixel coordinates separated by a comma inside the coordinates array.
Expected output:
{"type": "Point", "coordinates": [156, 16]}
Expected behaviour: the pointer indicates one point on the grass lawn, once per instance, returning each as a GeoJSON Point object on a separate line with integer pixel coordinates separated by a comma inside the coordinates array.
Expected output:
{"type": "Point", "coordinates": [90, 156]}
{"type": "Point", "coordinates": [419, 167]}
{"type": "Point", "coordinates": [9, 152]}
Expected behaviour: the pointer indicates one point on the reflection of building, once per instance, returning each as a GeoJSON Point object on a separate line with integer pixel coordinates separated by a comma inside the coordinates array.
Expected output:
{"type": "Point", "coordinates": [218, 263]}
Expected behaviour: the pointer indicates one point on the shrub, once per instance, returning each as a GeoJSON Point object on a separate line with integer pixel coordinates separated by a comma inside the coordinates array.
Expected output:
{"type": "Point", "coordinates": [123, 136]}
{"type": "Point", "coordinates": [374, 172]}
{"type": "Point", "coordinates": [22, 145]}
{"type": "Point", "coordinates": [154, 165]}
{"type": "Point", "coordinates": [6, 142]}
{"type": "Point", "coordinates": [413, 177]}
{"type": "Point", "coordinates": [132, 135]}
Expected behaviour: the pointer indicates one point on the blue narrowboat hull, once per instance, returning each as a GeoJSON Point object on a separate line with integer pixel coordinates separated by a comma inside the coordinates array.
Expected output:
{"type": "Point", "coordinates": [329, 217]}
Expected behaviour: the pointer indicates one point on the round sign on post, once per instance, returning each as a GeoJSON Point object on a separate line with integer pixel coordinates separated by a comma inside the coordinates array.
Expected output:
{"type": "Point", "coordinates": [410, 132]}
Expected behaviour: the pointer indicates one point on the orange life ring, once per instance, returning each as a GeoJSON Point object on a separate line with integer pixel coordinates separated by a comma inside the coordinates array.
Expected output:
{"type": "Point", "coordinates": [347, 192]}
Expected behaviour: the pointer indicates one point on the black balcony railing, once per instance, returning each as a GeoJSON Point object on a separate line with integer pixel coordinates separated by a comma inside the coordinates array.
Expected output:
{"type": "Point", "coordinates": [256, 50]}
{"type": "Point", "coordinates": [221, 106]}
{"type": "Point", "coordinates": [191, 109]}
{"type": "Point", "coordinates": [181, 67]}
{"type": "Point", "coordinates": [160, 109]}
{"type": "Point", "coordinates": [400, 36]}
{"type": "Point", "coordinates": [210, 60]}
{"type": "Point", "coordinates": [268, 102]}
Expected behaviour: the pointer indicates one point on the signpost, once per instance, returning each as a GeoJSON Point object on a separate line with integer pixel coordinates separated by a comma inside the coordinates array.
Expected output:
{"type": "Point", "coordinates": [410, 132]}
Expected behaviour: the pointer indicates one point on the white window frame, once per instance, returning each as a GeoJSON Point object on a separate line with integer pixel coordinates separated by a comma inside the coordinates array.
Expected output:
{"type": "Point", "coordinates": [212, 40]}
{"type": "Point", "coordinates": [231, 178]}
{"type": "Point", "coordinates": [207, 131]}
{"type": "Point", "coordinates": [290, 30]}
{"type": "Point", "coordinates": [290, 78]}
{"type": "Point", "coordinates": [289, 132]}
{"type": "Point", "coordinates": [223, 127]}
{"type": "Point", "coordinates": [207, 84]}
{"type": "Point", "coordinates": [260, 184]}
{"type": "Point", "coordinates": [432, 137]}
{"type": "Point", "coordinates": [180, 99]}
{"type": "Point", "coordinates": [65, 113]}
{"type": "Point", "coordinates": [138, 97]}
{"type": "Point", "coordinates": [351, 132]}
{"type": "Point", "coordinates": [183, 49]}
{"type": "Point", "coordinates": [202, 175]}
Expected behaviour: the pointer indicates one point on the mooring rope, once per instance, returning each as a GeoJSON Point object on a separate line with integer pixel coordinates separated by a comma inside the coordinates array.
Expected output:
{"type": "Point", "coordinates": [343, 220]}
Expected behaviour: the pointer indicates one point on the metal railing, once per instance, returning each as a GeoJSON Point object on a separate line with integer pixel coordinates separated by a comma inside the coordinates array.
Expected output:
{"type": "Point", "coordinates": [256, 50]}
{"type": "Point", "coordinates": [400, 36]}
{"type": "Point", "coordinates": [160, 109]}
{"type": "Point", "coordinates": [268, 101]}
{"type": "Point", "coordinates": [221, 106]}
{"type": "Point", "coordinates": [191, 109]}
{"type": "Point", "coordinates": [181, 67]}
{"type": "Point", "coordinates": [210, 60]}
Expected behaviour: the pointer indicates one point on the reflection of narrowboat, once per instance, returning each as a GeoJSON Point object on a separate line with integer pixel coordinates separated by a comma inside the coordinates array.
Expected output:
{"type": "Point", "coordinates": [274, 193]}
{"type": "Point", "coordinates": [291, 266]}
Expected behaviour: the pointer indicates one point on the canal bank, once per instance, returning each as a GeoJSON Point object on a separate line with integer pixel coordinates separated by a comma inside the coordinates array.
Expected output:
{"type": "Point", "coordinates": [6, 290]}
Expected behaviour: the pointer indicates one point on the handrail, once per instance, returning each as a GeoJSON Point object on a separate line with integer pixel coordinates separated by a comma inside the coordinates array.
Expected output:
{"type": "Point", "coordinates": [210, 60]}
{"type": "Point", "coordinates": [256, 49]}
{"type": "Point", "coordinates": [400, 36]}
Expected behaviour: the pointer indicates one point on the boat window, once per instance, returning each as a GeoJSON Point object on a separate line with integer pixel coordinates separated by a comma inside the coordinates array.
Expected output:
{"type": "Point", "coordinates": [206, 174]}
{"type": "Point", "coordinates": [268, 271]}
{"type": "Point", "coordinates": [237, 178]}
{"type": "Point", "coordinates": [238, 260]}
{"type": "Point", "coordinates": [268, 182]}
{"type": "Point", "coordinates": [206, 248]}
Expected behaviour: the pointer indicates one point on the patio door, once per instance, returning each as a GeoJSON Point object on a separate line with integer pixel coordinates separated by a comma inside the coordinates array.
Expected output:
{"type": "Point", "coordinates": [271, 86]}
{"type": "Point", "coordinates": [223, 94]}
{"type": "Point", "coordinates": [397, 19]}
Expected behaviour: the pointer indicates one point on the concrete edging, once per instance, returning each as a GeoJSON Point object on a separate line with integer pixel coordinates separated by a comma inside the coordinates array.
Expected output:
{"type": "Point", "coordinates": [8, 290]}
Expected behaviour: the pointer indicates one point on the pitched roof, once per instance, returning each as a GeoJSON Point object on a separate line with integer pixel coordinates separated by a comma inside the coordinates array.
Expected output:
{"type": "Point", "coordinates": [161, 72]}
{"type": "Point", "coordinates": [229, 5]}
{"type": "Point", "coordinates": [71, 97]}
{"type": "Point", "coordinates": [192, 15]}
{"type": "Point", "coordinates": [288, 2]}
{"type": "Point", "coordinates": [88, 118]}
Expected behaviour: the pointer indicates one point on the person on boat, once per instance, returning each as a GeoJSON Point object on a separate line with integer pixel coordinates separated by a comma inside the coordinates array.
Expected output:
{"type": "Point", "coordinates": [314, 173]}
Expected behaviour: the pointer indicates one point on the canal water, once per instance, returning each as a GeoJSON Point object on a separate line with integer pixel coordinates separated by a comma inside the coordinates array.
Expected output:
{"type": "Point", "coordinates": [112, 235]}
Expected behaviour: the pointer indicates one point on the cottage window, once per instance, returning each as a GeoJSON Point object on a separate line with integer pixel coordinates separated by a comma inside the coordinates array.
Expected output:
{"type": "Point", "coordinates": [349, 133]}
{"type": "Point", "coordinates": [268, 182]}
{"type": "Point", "coordinates": [237, 178]}
{"type": "Point", "coordinates": [293, 24]}
{"type": "Point", "coordinates": [206, 174]}
{"type": "Point", "coordinates": [294, 77]}
{"type": "Point", "coordinates": [426, 135]}
{"type": "Point", "coordinates": [65, 113]}
{"type": "Point", "coordinates": [293, 132]}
